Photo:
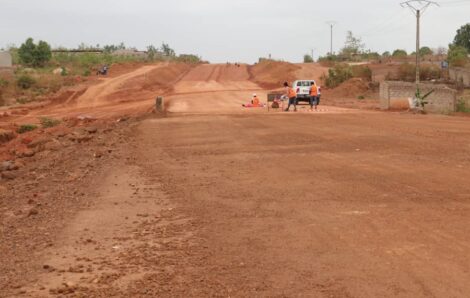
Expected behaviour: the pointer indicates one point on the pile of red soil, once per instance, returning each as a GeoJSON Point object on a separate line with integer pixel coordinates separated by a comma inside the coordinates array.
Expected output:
{"type": "Point", "coordinates": [352, 88]}
{"type": "Point", "coordinates": [272, 74]}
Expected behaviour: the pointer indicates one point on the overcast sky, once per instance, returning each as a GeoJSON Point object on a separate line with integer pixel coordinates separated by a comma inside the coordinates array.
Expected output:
{"type": "Point", "coordinates": [222, 30]}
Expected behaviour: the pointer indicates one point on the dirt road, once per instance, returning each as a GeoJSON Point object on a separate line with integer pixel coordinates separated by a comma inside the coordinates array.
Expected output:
{"type": "Point", "coordinates": [215, 201]}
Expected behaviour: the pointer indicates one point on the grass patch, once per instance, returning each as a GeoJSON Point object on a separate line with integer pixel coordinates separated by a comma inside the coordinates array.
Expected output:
{"type": "Point", "coordinates": [462, 106]}
{"type": "Point", "coordinates": [26, 127]}
{"type": "Point", "coordinates": [48, 122]}
{"type": "Point", "coordinates": [4, 83]}
{"type": "Point", "coordinates": [25, 81]}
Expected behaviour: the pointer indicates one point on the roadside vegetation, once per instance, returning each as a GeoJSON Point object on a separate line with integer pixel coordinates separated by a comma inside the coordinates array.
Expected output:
{"type": "Point", "coordinates": [26, 127]}
{"type": "Point", "coordinates": [40, 71]}
{"type": "Point", "coordinates": [342, 72]}
{"type": "Point", "coordinates": [463, 103]}
{"type": "Point", "coordinates": [347, 63]}
{"type": "Point", "coordinates": [47, 122]}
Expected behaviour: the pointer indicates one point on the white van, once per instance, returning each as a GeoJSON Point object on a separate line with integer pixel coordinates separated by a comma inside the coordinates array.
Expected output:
{"type": "Point", "coordinates": [302, 87]}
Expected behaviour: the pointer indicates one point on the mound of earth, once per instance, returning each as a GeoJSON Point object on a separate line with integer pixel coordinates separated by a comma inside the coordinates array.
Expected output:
{"type": "Point", "coordinates": [272, 74]}
{"type": "Point", "coordinates": [351, 88]}
{"type": "Point", "coordinates": [160, 79]}
{"type": "Point", "coordinates": [311, 71]}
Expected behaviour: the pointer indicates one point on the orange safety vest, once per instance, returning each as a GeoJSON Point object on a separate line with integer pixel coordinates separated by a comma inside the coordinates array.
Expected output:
{"type": "Point", "coordinates": [255, 100]}
{"type": "Point", "coordinates": [314, 90]}
{"type": "Point", "coordinates": [291, 92]}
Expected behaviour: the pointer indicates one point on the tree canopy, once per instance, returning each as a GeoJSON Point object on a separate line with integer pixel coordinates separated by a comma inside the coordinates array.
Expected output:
{"type": "Point", "coordinates": [308, 58]}
{"type": "Point", "coordinates": [424, 51]}
{"type": "Point", "coordinates": [167, 51]}
{"type": "Point", "coordinates": [34, 55]}
{"type": "Point", "coordinates": [352, 46]}
{"type": "Point", "coordinates": [399, 53]}
{"type": "Point", "coordinates": [457, 55]}
{"type": "Point", "coordinates": [462, 38]}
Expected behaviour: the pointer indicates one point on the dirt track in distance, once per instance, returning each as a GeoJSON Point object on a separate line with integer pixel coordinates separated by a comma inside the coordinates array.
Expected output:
{"type": "Point", "coordinates": [214, 200]}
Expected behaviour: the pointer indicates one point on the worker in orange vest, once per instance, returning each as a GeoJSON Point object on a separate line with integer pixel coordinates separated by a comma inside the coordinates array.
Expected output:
{"type": "Point", "coordinates": [255, 100]}
{"type": "Point", "coordinates": [314, 96]}
{"type": "Point", "coordinates": [292, 95]}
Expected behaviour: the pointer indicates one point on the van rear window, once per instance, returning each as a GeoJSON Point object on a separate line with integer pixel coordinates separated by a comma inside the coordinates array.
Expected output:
{"type": "Point", "coordinates": [304, 83]}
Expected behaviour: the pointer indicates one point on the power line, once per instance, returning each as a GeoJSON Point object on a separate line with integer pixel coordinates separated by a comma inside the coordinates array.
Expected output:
{"type": "Point", "coordinates": [455, 2]}
{"type": "Point", "coordinates": [418, 7]}
{"type": "Point", "coordinates": [385, 25]}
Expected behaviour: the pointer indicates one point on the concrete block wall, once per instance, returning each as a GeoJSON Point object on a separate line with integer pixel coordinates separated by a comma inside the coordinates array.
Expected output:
{"type": "Point", "coordinates": [5, 59]}
{"type": "Point", "coordinates": [461, 75]}
{"type": "Point", "coordinates": [396, 95]}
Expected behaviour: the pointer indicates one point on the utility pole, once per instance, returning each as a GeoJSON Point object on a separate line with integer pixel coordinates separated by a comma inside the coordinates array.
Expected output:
{"type": "Point", "coordinates": [313, 50]}
{"type": "Point", "coordinates": [418, 7]}
{"type": "Point", "coordinates": [332, 24]}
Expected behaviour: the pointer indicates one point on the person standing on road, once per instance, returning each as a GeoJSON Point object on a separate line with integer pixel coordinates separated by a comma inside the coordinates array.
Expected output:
{"type": "Point", "coordinates": [314, 96]}
{"type": "Point", "coordinates": [292, 95]}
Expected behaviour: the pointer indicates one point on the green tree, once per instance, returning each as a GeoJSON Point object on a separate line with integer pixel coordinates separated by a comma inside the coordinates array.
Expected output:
{"type": "Point", "coordinates": [151, 52]}
{"type": "Point", "coordinates": [167, 51]}
{"type": "Point", "coordinates": [463, 37]}
{"type": "Point", "coordinates": [386, 54]}
{"type": "Point", "coordinates": [26, 52]}
{"type": "Point", "coordinates": [399, 53]}
{"type": "Point", "coordinates": [352, 46]}
{"type": "Point", "coordinates": [43, 53]}
{"type": "Point", "coordinates": [425, 51]}
{"type": "Point", "coordinates": [457, 55]}
{"type": "Point", "coordinates": [34, 55]}
{"type": "Point", "coordinates": [308, 58]}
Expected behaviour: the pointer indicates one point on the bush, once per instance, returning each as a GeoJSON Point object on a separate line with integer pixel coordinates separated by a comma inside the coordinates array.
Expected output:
{"type": "Point", "coordinates": [87, 73]}
{"type": "Point", "coordinates": [329, 60]}
{"type": "Point", "coordinates": [48, 122]}
{"type": "Point", "coordinates": [308, 59]}
{"type": "Point", "coordinates": [25, 81]}
{"type": "Point", "coordinates": [26, 127]}
{"type": "Point", "coordinates": [187, 58]}
{"type": "Point", "coordinates": [337, 75]}
{"type": "Point", "coordinates": [4, 83]}
{"type": "Point", "coordinates": [35, 55]}
{"type": "Point", "coordinates": [430, 72]}
{"type": "Point", "coordinates": [462, 106]}
{"type": "Point", "coordinates": [457, 56]}
{"type": "Point", "coordinates": [406, 72]}
{"type": "Point", "coordinates": [23, 100]}
{"type": "Point", "coordinates": [361, 71]}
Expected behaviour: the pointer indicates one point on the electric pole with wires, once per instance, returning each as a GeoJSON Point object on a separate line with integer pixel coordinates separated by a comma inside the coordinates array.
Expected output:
{"type": "Point", "coordinates": [331, 24]}
{"type": "Point", "coordinates": [418, 7]}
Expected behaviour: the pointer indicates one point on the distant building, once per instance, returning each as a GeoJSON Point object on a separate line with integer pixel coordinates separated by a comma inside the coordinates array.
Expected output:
{"type": "Point", "coordinates": [133, 53]}
{"type": "Point", "coordinates": [5, 59]}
